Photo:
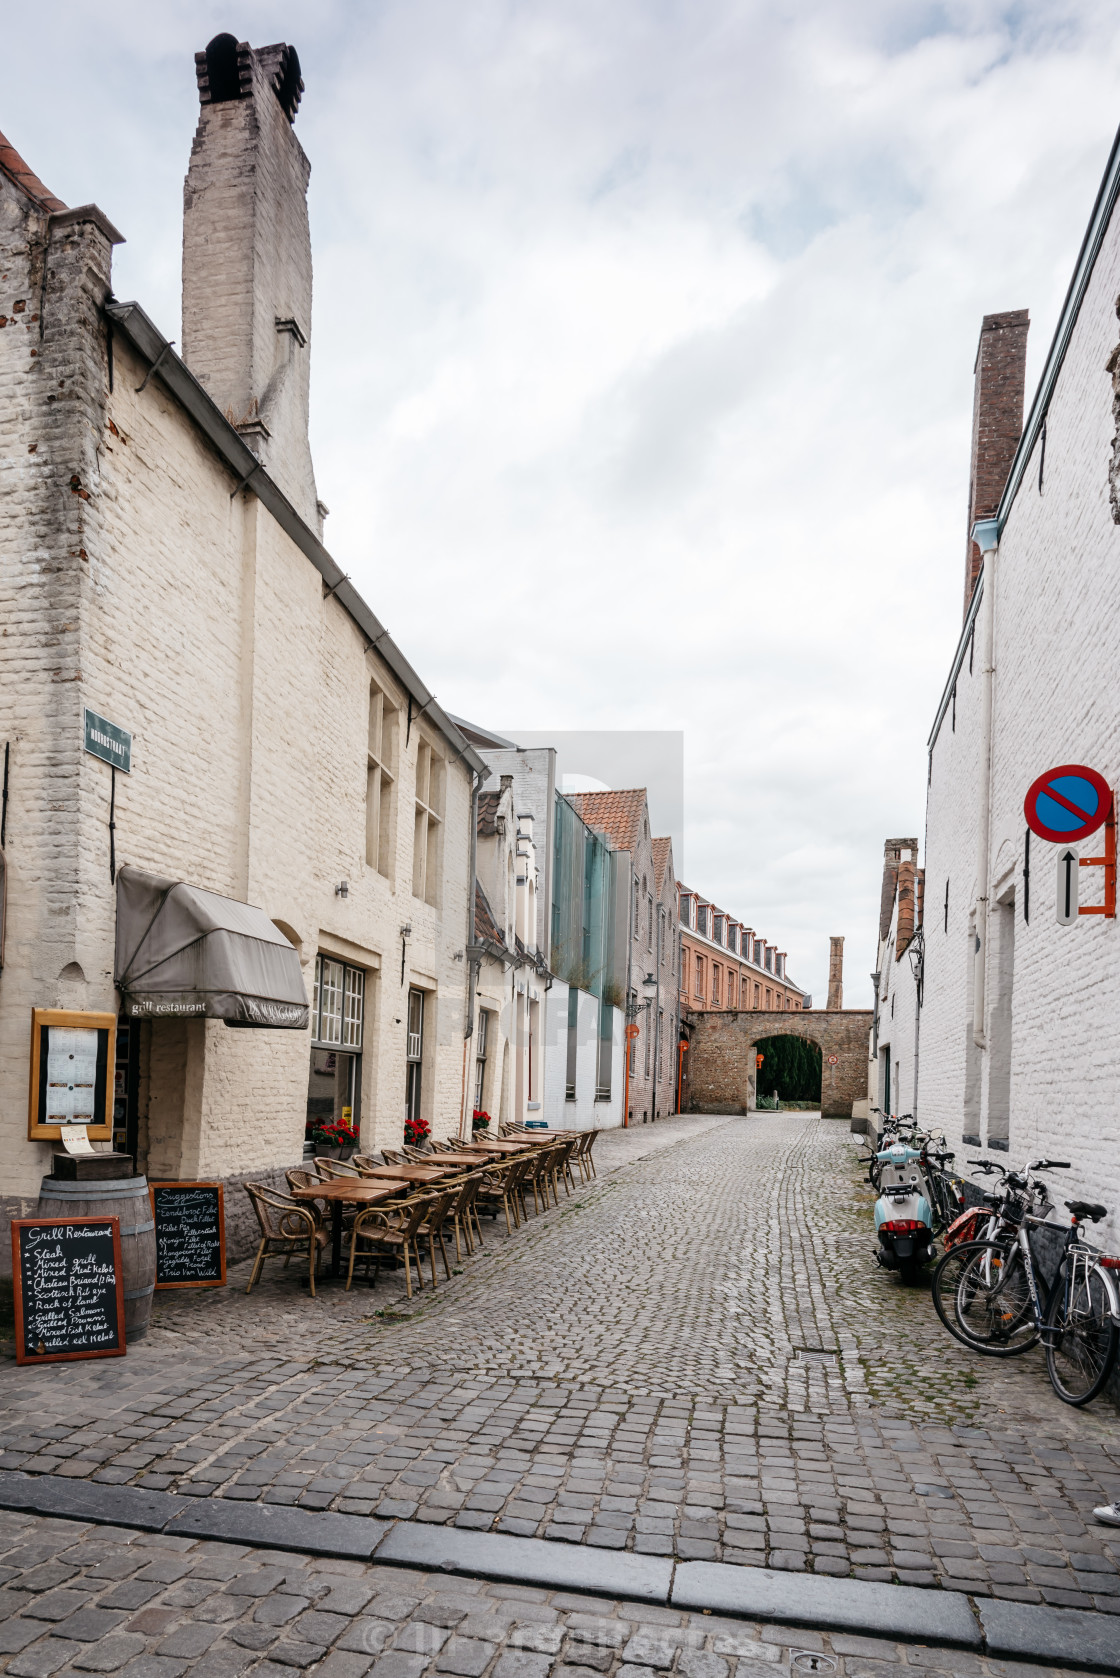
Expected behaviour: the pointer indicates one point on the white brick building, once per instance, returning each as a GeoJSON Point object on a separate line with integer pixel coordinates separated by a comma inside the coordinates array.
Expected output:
{"type": "Point", "coordinates": [161, 565]}
{"type": "Point", "coordinates": [1020, 1025]}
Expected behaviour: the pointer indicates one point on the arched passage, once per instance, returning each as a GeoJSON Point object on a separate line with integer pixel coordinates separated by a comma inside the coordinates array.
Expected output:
{"type": "Point", "coordinates": [788, 1067]}
{"type": "Point", "coordinates": [720, 1070]}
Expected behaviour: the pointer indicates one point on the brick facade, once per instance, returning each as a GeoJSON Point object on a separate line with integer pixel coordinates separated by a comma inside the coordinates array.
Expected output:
{"type": "Point", "coordinates": [997, 419]}
{"type": "Point", "coordinates": [721, 1073]}
{"type": "Point", "coordinates": [726, 964]}
{"type": "Point", "coordinates": [140, 579]}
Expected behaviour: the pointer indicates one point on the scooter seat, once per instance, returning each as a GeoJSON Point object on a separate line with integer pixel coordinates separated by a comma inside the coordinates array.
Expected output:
{"type": "Point", "coordinates": [1087, 1209]}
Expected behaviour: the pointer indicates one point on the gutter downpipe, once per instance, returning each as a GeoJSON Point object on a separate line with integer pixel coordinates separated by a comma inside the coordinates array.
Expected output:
{"type": "Point", "coordinates": [985, 533]}
{"type": "Point", "coordinates": [474, 963]}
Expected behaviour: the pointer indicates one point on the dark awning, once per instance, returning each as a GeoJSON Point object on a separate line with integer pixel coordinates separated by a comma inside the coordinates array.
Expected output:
{"type": "Point", "coordinates": [182, 951]}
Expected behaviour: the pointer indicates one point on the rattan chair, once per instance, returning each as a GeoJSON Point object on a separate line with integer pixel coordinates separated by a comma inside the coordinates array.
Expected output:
{"type": "Point", "coordinates": [287, 1229]}
{"type": "Point", "coordinates": [431, 1230]}
{"type": "Point", "coordinates": [497, 1190]}
{"type": "Point", "coordinates": [464, 1214]}
{"type": "Point", "coordinates": [389, 1232]}
{"type": "Point", "coordinates": [365, 1164]}
{"type": "Point", "coordinates": [394, 1156]}
{"type": "Point", "coordinates": [331, 1168]}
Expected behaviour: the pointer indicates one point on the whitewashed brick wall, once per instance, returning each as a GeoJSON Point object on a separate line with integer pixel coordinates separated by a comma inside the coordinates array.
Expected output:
{"type": "Point", "coordinates": [1057, 673]}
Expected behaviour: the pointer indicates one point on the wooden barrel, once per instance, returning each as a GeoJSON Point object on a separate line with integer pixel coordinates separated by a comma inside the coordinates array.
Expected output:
{"type": "Point", "coordinates": [125, 1198]}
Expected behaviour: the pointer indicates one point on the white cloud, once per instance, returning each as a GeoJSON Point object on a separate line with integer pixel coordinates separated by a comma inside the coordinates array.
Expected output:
{"type": "Point", "coordinates": [642, 357]}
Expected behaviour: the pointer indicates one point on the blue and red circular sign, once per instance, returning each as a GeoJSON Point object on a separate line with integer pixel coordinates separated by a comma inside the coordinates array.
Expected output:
{"type": "Point", "coordinates": [1067, 803]}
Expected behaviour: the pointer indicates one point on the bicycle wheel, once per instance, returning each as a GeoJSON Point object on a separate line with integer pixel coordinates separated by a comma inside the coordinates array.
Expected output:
{"type": "Point", "coordinates": [980, 1293]}
{"type": "Point", "coordinates": [1081, 1340]}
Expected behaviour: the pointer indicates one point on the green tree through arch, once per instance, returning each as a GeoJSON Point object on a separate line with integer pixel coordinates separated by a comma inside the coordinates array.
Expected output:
{"type": "Point", "coordinates": [792, 1066]}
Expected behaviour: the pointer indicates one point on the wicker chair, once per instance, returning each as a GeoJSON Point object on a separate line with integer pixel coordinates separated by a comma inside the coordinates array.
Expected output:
{"type": "Point", "coordinates": [332, 1168]}
{"type": "Point", "coordinates": [432, 1230]}
{"type": "Point", "coordinates": [498, 1190]}
{"type": "Point", "coordinates": [389, 1232]}
{"type": "Point", "coordinates": [464, 1213]}
{"type": "Point", "coordinates": [287, 1229]}
{"type": "Point", "coordinates": [394, 1156]}
{"type": "Point", "coordinates": [365, 1164]}
{"type": "Point", "coordinates": [583, 1157]}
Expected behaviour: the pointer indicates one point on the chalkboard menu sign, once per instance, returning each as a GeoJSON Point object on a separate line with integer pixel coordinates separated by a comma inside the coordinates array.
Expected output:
{"type": "Point", "coordinates": [69, 1289]}
{"type": "Point", "coordinates": [190, 1223]}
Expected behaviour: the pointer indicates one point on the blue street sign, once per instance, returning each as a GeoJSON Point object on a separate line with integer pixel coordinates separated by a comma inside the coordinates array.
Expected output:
{"type": "Point", "coordinates": [1067, 804]}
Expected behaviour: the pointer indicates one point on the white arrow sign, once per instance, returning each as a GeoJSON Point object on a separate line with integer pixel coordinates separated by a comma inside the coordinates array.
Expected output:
{"type": "Point", "coordinates": [1068, 871]}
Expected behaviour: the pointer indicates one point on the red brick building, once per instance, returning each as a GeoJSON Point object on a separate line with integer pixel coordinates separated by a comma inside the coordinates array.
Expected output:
{"type": "Point", "coordinates": [727, 965]}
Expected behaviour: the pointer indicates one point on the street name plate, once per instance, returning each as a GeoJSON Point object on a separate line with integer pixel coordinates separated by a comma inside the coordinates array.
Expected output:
{"type": "Point", "coordinates": [111, 744]}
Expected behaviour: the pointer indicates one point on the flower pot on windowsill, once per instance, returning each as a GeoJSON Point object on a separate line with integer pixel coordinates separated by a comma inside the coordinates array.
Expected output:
{"type": "Point", "coordinates": [335, 1150]}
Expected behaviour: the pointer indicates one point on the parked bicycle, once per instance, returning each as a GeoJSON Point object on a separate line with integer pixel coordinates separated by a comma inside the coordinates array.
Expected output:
{"type": "Point", "coordinates": [991, 1297]}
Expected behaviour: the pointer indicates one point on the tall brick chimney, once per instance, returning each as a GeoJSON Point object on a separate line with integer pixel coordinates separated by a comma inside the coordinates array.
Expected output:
{"type": "Point", "coordinates": [247, 257]}
{"type": "Point", "coordinates": [835, 974]}
{"type": "Point", "coordinates": [894, 850]}
{"type": "Point", "coordinates": [997, 421]}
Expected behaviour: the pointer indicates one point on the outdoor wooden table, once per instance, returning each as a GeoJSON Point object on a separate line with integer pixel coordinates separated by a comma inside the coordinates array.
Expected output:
{"type": "Point", "coordinates": [456, 1159]}
{"type": "Point", "coordinates": [341, 1191]}
{"type": "Point", "coordinates": [410, 1173]}
{"type": "Point", "coordinates": [504, 1146]}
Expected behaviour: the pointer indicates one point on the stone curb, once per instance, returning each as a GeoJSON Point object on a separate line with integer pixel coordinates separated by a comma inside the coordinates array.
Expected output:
{"type": "Point", "coordinates": [1022, 1631]}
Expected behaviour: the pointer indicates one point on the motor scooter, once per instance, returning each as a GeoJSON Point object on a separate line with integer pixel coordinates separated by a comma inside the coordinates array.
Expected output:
{"type": "Point", "coordinates": [903, 1212]}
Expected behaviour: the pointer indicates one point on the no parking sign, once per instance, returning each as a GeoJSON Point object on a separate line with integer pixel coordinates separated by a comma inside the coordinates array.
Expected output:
{"type": "Point", "coordinates": [1067, 804]}
{"type": "Point", "coordinates": [1062, 806]}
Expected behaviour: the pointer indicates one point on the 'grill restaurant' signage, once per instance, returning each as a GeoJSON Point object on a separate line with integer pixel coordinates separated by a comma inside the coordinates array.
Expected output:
{"type": "Point", "coordinates": [69, 1289]}
{"type": "Point", "coordinates": [108, 742]}
{"type": "Point", "coordinates": [190, 1234]}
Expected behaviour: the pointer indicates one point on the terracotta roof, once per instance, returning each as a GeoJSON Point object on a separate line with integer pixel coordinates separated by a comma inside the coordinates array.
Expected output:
{"type": "Point", "coordinates": [12, 165]}
{"type": "Point", "coordinates": [662, 856]}
{"type": "Point", "coordinates": [485, 927]}
{"type": "Point", "coordinates": [488, 814]}
{"type": "Point", "coordinates": [618, 815]}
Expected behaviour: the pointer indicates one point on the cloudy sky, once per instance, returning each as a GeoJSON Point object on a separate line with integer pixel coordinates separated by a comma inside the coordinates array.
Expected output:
{"type": "Point", "coordinates": [643, 344]}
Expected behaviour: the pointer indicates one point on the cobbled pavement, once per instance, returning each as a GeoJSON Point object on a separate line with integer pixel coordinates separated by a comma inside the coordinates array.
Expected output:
{"type": "Point", "coordinates": [76, 1599]}
{"type": "Point", "coordinates": [694, 1355]}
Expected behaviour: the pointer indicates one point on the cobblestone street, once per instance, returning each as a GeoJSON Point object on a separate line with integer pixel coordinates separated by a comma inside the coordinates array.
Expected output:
{"type": "Point", "coordinates": [695, 1356]}
{"type": "Point", "coordinates": [80, 1599]}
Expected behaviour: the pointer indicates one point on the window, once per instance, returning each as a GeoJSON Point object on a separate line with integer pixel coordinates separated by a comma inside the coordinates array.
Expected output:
{"type": "Point", "coordinates": [731, 988]}
{"type": "Point", "coordinates": [780, 966]}
{"type": "Point", "coordinates": [699, 984]}
{"type": "Point", "coordinates": [684, 971]}
{"type": "Point", "coordinates": [661, 1043]}
{"type": "Point", "coordinates": [649, 923]}
{"type": "Point", "coordinates": [757, 995]}
{"type": "Point", "coordinates": [430, 770]}
{"type": "Point", "coordinates": [788, 1004]}
{"type": "Point", "coordinates": [573, 1024]}
{"type": "Point", "coordinates": [414, 1051]}
{"type": "Point", "coordinates": [717, 928]}
{"type": "Point", "coordinates": [481, 1042]}
{"type": "Point", "coordinates": [702, 919]}
{"type": "Point", "coordinates": [648, 1035]}
{"type": "Point", "coordinates": [769, 959]}
{"type": "Point", "coordinates": [717, 974]}
{"type": "Point", "coordinates": [337, 1012]}
{"type": "Point", "coordinates": [380, 765]}
{"type": "Point", "coordinates": [326, 1007]}
{"type": "Point", "coordinates": [769, 997]}
{"type": "Point", "coordinates": [604, 1068]}
{"type": "Point", "coordinates": [662, 938]}
{"type": "Point", "coordinates": [733, 939]}
{"type": "Point", "coordinates": [757, 953]}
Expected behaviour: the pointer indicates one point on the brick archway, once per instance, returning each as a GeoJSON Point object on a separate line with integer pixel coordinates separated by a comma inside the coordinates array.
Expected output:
{"type": "Point", "coordinates": [720, 1062]}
